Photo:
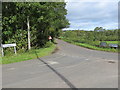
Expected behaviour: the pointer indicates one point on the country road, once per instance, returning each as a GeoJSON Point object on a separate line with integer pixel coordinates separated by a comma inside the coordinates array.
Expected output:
{"type": "Point", "coordinates": [69, 67]}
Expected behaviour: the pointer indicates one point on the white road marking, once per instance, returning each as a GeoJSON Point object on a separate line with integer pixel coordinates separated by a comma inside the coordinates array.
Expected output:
{"type": "Point", "coordinates": [52, 62]}
{"type": "Point", "coordinates": [86, 59]}
{"type": "Point", "coordinates": [11, 69]}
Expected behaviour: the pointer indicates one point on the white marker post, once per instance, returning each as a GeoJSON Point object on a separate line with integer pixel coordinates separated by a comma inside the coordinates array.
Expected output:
{"type": "Point", "coordinates": [8, 45]}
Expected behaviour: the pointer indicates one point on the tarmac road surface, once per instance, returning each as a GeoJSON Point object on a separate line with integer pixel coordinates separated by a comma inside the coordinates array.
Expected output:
{"type": "Point", "coordinates": [70, 67]}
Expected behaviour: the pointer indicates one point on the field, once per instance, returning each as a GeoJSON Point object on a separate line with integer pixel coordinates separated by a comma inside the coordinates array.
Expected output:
{"type": "Point", "coordinates": [92, 39]}
{"type": "Point", "coordinates": [113, 42]}
{"type": "Point", "coordinates": [94, 47]}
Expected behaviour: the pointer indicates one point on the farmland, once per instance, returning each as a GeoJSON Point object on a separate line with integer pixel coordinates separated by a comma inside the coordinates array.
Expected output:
{"type": "Point", "coordinates": [92, 39]}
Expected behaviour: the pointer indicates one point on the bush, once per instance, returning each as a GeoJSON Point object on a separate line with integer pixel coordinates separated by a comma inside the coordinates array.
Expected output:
{"type": "Point", "coordinates": [48, 44]}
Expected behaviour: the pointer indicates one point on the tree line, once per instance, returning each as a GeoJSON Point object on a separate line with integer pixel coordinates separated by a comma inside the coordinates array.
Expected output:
{"type": "Point", "coordinates": [29, 24]}
{"type": "Point", "coordinates": [91, 37]}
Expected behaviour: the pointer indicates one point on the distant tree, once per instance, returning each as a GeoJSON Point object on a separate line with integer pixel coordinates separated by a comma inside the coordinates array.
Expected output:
{"type": "Point", "coordinates": [98, 29]}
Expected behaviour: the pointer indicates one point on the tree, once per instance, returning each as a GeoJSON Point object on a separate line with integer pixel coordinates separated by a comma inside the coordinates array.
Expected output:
{"type": "Point", "coordinates": [32, 23]}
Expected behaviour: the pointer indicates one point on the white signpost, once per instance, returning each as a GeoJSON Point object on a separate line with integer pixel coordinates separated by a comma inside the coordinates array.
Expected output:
{"type": "Point", "coordinates": [8, 45]}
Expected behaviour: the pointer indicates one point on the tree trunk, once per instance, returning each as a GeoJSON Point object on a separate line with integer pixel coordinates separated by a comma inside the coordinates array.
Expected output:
{"type": "Point", "coordinates": [28, 27]}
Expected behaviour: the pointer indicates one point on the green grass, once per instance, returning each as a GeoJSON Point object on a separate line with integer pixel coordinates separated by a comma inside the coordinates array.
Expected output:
{"type": "Point", "coordinates": [28, 55]}
{"type": "Point", "coordinates": [95, 47]}
{"type": "Point", "coordinates": [113, 42]}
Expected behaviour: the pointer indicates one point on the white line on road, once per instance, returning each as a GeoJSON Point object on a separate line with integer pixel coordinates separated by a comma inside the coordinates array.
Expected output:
{"type": "Point", "coordinates": [52, 62]}
{"type": "Point", "coordinates": [11, 68]}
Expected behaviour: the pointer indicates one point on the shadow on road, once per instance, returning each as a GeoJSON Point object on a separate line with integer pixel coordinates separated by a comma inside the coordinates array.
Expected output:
{"type": "Point", "coordinates": [61, 76]}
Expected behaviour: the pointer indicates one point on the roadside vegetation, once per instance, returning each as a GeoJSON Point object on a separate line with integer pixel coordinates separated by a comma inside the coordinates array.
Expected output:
{"type": "Point", "coordinates": [92, 39]}
{"type": "Point", "coordinates": [29, 24]}
{"type": "Point", "coordinates": [10, 57]}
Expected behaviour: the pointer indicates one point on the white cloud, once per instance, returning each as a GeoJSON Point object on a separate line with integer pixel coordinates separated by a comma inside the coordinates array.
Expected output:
{"type": "Point", "coordinates": [88, 15]}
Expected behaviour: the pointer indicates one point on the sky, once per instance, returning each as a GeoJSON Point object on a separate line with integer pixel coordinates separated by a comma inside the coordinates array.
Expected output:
{"type": "Point", "coordinates": [88, 14]}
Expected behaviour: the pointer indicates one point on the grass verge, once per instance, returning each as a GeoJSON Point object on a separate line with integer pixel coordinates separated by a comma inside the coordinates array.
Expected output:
{"type": "Point", "coordinates": [28, 55]}
{"type": "Point", "coordinates": [92, 47]}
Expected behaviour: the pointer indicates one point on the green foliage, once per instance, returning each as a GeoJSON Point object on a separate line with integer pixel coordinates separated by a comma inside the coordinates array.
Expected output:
{"type": "Point", "coordinates": [46, 18]}
{"type": "Point", "coordinates": [91, 39]}
{"type": "Point", "coordinates": [89, 36]}
{"type": "Point", "coordinates": [27, 55]}
{"type": "Point", "coordinates": [48, 44]}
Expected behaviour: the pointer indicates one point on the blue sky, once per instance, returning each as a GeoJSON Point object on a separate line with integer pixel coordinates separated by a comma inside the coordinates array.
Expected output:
{"type": "Point", "coordinates": [88, 14]}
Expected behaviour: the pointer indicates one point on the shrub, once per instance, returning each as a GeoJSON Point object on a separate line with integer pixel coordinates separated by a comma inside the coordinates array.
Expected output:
{"type": "Point", "coordinates": [48, 44]}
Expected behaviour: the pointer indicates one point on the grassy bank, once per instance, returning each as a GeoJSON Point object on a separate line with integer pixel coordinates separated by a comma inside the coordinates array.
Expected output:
{"type": "Point", "coordinates": [113, 42]}
{"type": "Point", "coordinates": [94, 47]}
{"type": "Point", "coordinates": [92, 39]}
{"type": "Point", "coordinates": [28, 55]}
